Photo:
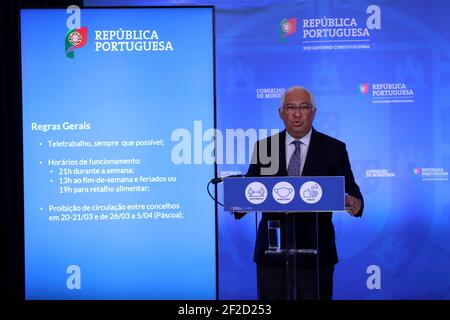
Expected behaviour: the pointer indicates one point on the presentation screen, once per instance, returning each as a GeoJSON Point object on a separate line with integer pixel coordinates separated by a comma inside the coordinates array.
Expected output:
{"type": "Point", "coordinates": [115, 201]}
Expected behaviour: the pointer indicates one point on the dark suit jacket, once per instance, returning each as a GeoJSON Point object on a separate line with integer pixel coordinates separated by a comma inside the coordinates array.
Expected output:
{"type": "Point", "coordinates": [326, 157]}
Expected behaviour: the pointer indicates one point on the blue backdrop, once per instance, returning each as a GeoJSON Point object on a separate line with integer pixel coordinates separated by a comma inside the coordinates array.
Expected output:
{"type": "Point", "coordinates": [380, 73]}
{"type": "Point", "coordinates": [154, 242]}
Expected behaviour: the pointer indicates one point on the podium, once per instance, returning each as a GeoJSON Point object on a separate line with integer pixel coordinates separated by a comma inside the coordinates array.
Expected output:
{"type": "Point", "coordinates": [290, 196]}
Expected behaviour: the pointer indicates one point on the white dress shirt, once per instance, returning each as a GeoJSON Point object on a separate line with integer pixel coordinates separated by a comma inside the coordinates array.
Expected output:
{"type": "Point", "coordinates": [290, 148]}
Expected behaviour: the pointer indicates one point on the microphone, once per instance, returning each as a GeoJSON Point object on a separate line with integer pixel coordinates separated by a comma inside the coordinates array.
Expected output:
{"type": "Point", "coordinates": [219, 180]}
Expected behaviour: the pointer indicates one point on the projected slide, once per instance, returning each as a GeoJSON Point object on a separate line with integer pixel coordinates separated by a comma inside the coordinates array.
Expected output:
{"type": "Point", "coordinates": [114, 198]}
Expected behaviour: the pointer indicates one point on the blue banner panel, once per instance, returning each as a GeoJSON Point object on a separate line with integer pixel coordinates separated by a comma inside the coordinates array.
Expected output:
{"type": "Point", "coordinates": [380, 74]}
{"type": "Point", "coordinates": [284, 194]}
{"type": "Point", "coordinates": [114, 206]}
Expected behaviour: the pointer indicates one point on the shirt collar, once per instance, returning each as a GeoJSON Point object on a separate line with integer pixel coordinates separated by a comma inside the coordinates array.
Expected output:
{"type": "Point", "coordinates": [305, 140]}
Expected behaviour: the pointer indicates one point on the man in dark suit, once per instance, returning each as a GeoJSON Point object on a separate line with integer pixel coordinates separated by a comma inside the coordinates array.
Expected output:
{"type": "Point", "coordinates": [301, 151]}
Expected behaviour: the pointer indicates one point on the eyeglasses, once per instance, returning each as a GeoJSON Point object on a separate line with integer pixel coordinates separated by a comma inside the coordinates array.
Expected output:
{"type": "Point", "coordinates": [302, 108]}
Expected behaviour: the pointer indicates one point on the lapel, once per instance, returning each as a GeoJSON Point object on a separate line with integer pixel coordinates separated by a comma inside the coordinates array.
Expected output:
{"type": "Point", "coordinates": [312, 156]}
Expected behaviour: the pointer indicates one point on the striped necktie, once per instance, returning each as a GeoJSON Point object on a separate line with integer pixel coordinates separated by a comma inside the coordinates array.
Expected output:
{"type": "Point", "coordinates": [294, 163]}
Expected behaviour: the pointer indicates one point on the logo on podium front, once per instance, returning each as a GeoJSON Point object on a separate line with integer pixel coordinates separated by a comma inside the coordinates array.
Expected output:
{"type": "Point", "coordinates": [311, 192]}
{"type": "Point", "coordinates": [256, 192]}
{"type": "Point", "coordinates": [283, 192]}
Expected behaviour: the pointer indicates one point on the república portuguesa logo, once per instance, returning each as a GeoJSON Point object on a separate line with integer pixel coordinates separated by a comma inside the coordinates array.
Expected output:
{"type": "Point", "coordinates": [388, 92]}
{"type": "Point", "coordinates": [340, 33]}
{"type": "Point", "coordinates": [363, 88]}
{"type": "Point", "coordinates": [431, 174]}
{"type": "Point", "coordinates": [76, 36]}
{"type": "Point", "coordinates": [287, 28]}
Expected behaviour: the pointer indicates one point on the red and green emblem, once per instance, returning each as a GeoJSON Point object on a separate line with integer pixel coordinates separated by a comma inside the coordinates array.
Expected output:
{"type": "Point", "coordinates": [75, 38]}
